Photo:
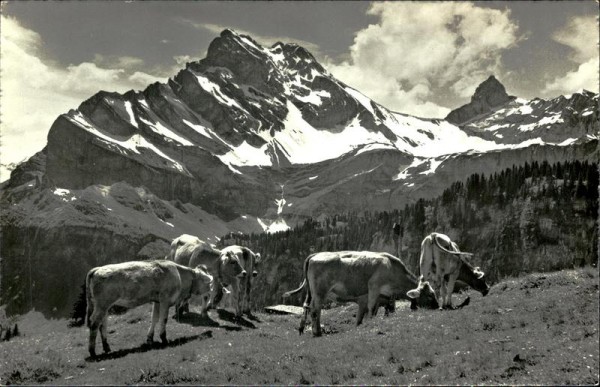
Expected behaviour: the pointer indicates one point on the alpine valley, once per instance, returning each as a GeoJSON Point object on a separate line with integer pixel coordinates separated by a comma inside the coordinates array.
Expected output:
{"type": "Point", "coordinates": [250, 139]}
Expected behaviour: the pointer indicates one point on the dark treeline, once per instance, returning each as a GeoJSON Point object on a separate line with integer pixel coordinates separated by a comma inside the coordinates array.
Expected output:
{"type": "Point", "coordinates": [534, 217]}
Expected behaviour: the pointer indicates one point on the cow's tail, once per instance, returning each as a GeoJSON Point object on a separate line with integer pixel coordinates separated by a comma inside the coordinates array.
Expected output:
{"type": "Point", "coordinates": [304, 283]}
{"type": "Point", "coordinates": [448, 251]}
{"type": "Point", "coordinates": [88, 295]}
{"type": "Point", "coordinates": [308, 299]}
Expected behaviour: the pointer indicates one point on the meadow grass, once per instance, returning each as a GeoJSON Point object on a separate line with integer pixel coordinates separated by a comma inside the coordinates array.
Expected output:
{"type": "Point", "coordinates": [538, 329]}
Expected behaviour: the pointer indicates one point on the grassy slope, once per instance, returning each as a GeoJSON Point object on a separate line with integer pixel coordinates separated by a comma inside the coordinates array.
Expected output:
{"type": "Point", "coordinates": [539, 329]}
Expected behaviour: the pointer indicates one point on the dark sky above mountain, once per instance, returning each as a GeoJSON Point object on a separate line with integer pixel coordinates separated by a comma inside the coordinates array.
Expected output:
{"type": "Point", "coordinates": [418, 58]}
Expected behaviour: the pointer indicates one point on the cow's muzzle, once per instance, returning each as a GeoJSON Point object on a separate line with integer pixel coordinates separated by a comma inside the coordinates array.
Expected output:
{"type": "Point", "coordinates": [254, 273]}
{"type": "Point", "coordinates": [243, 274]}
{"type": "Point", "coordinates": [485, 292]}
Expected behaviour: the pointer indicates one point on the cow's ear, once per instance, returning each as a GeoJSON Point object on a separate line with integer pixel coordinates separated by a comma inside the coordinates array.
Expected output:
{"type": "Point", "coordinates": [478, 273]}
{"type": "Point", "coordinates": [257, 257]}
{"type": "Point", "coordinates": [414, 293]}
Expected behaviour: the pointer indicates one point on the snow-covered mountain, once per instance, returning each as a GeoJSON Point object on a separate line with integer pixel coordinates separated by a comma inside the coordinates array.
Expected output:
{"type": "Point", "coordinates": [253, 139]}
{"type": "Point", "coordinates": [228, 131]}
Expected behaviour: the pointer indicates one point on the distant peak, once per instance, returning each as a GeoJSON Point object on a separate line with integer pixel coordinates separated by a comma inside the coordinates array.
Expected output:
{"type": "Point", "coordinates": [491, 89]}
{"type": "Point", "coordinates": [228, 32]}
{"type": "Point", "coordinates": [489, 94]}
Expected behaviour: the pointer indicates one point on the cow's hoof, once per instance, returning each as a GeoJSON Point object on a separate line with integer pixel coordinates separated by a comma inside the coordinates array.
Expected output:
{"type": "Point", "coordinates": [106, 348]}
{"type": "Point", "coordinates": [163, 339]}
{"type": "Point", "coordinates": [92, 354]}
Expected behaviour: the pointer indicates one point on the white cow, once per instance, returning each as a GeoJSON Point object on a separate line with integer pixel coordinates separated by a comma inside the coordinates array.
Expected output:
{"type": "Point", "coordinates": [241, 286]}
{"type": "Point", "coordinates": [358, 276]}
{"type": "Point", "coordinates": [131, 284]}
{"type": "Point", "coordinates": [225, 266]}
{"type": "Point", "coordinates": [442, 264]}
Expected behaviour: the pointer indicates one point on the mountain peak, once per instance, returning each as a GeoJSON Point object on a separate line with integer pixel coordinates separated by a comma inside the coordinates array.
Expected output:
{"type": "Point", "coordinates": [488, 95]}
{"type": "Point", "coordinates": [490, 91]}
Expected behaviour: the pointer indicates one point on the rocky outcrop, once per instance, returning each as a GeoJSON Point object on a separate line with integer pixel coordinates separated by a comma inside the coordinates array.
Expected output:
{"type": "Point", "coordinates": [488, 95]}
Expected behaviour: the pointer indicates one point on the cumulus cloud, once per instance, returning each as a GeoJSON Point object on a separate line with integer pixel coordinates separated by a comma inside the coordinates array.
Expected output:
{"type": "Point", "coordinates": [415, 49]}
{"type": "Point", "coordinates": [35, 91]}
{"type": "Point", "coordinates": [581, 35]}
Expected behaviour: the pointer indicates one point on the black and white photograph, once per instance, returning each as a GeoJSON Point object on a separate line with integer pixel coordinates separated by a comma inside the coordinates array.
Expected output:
{"type": "Point", "coordinates": [299, 192]}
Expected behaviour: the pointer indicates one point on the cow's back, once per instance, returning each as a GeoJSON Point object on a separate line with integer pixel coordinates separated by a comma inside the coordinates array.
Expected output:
{"type": "Point", "coordinates": [345, 273]}
{"type": "Point", "coordinates": [188, 250]}
{"type": "Point", "coordinates": [135, 283]}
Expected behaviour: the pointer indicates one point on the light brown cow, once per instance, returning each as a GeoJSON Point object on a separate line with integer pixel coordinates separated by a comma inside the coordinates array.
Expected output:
{"type": "Point", "coordinates": [441, 264]}
{"type": "Point", "coordinates": [131, 284]}
{"type": "Point", "coordinates": [360, 277]}
{"type": "Point", "coordinates": [241, 286]}
{"type": "Point", "coordinates": [226, 268]}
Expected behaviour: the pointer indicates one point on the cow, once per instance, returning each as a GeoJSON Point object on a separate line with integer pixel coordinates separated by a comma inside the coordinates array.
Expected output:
{"type": "Point", "coordinates": [361, 277]}
{"type": "Point", "coordinates": [226, 268]}
{"type": "Point", "coordinates": [131, 284]}
{"type": "Point", "coordinates": [442, 264]}
{"type": "Point", "coordinates": [241, 286]}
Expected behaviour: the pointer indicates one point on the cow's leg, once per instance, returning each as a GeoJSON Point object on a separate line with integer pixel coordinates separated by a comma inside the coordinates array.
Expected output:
{"type": "Point", "coordinates": [373, 297]}
{"type": "Point", "coordinates": [450, 289]}
{"type": "Point", "coordinates": [204, 307]}
{"type": "Point", "coordinates": [236, 288]}
{"type": "Point", "coordinates": [437, 286]}
{"type": "Point", "coordinates": [362, 309]}
{"type": "Point", "coordinates": [216, 295]}
{"type": "Point", "coordinates": [315, 315]}
{"type": "Point", "coordinates": [163, 317]}
{"type": "Point", "coordinates": [306, 310]}
{"type": "Point", "coordinates": [155, 313]}
{"type": "Point", "coordinates": [444, 295]}
{"type": "Point", "coordinates": [103, 334]}
{"type": "Point", "coordinates": [94, 322]}
{"type": "Point", "coordinates": [246, 295]}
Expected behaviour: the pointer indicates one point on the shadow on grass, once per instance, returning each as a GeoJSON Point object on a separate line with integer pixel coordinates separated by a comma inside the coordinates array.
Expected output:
{"type": "Point", "coordinates": [198, 320]}
{"type": "Point", "coordinates": [252, 317]}
{"type": "Point", "coordinates": [232, 318]}
{"type": "Point", "coordinates": [148, 347]}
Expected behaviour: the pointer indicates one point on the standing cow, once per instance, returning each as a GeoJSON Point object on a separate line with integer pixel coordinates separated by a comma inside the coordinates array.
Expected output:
{"type": "Point", "coordinates": [131, 284]}
{"type": "Point", "coordinates": [360, 277]}
{"type": "Point", "coordinates": [225, 266]}
{"type": "Point", "coordinates": [442, 264]}
{"type": "Point", "coordinates": [241, 287]}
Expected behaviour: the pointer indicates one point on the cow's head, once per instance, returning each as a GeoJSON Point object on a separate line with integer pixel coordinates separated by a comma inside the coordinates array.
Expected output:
{"type": "Point", "coordinates": [202, 284]}
{"type": "Point", "coordinates": [423, 296]}
{"type": "Point", "coordinates": [475, 278]}
{"type": "Point", "coordinates": [479, 282]}
{"type": "Point", "coordinates": [230, 266]}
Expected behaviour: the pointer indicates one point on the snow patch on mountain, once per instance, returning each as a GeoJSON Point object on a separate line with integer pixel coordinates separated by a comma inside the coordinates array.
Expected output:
{"type": "Point", "coordinates": [160, 129]}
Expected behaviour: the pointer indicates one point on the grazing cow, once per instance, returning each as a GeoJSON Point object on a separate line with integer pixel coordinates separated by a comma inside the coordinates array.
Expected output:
{"type": "Point", "coordinates": [225, 267]}
{"type": "Point", "coordinates": [240, 287]}
{"type": "Point", "coordinates": [361, 277]}
{"type": "Point", "coordinates": [131, 284]}
{"type": "Point", "coordinates": [441, 264]}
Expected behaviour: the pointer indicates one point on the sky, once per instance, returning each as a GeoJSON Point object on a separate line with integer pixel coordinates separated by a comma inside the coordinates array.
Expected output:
{"type": "Point", "coordinates": [418, 58]}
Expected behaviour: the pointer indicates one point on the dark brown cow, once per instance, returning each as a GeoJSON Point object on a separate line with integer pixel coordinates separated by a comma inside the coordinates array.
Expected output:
{"type": "Point", "coordinates": [441, 264]}
{"type": "Point", "coordinates": [131, 284]}
{"type": "Point", "coordinates": [360, 277]}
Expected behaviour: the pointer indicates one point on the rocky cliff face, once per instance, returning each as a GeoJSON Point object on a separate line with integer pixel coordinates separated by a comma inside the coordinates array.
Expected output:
{"type": "Point", "coordinates": [249, 139]}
